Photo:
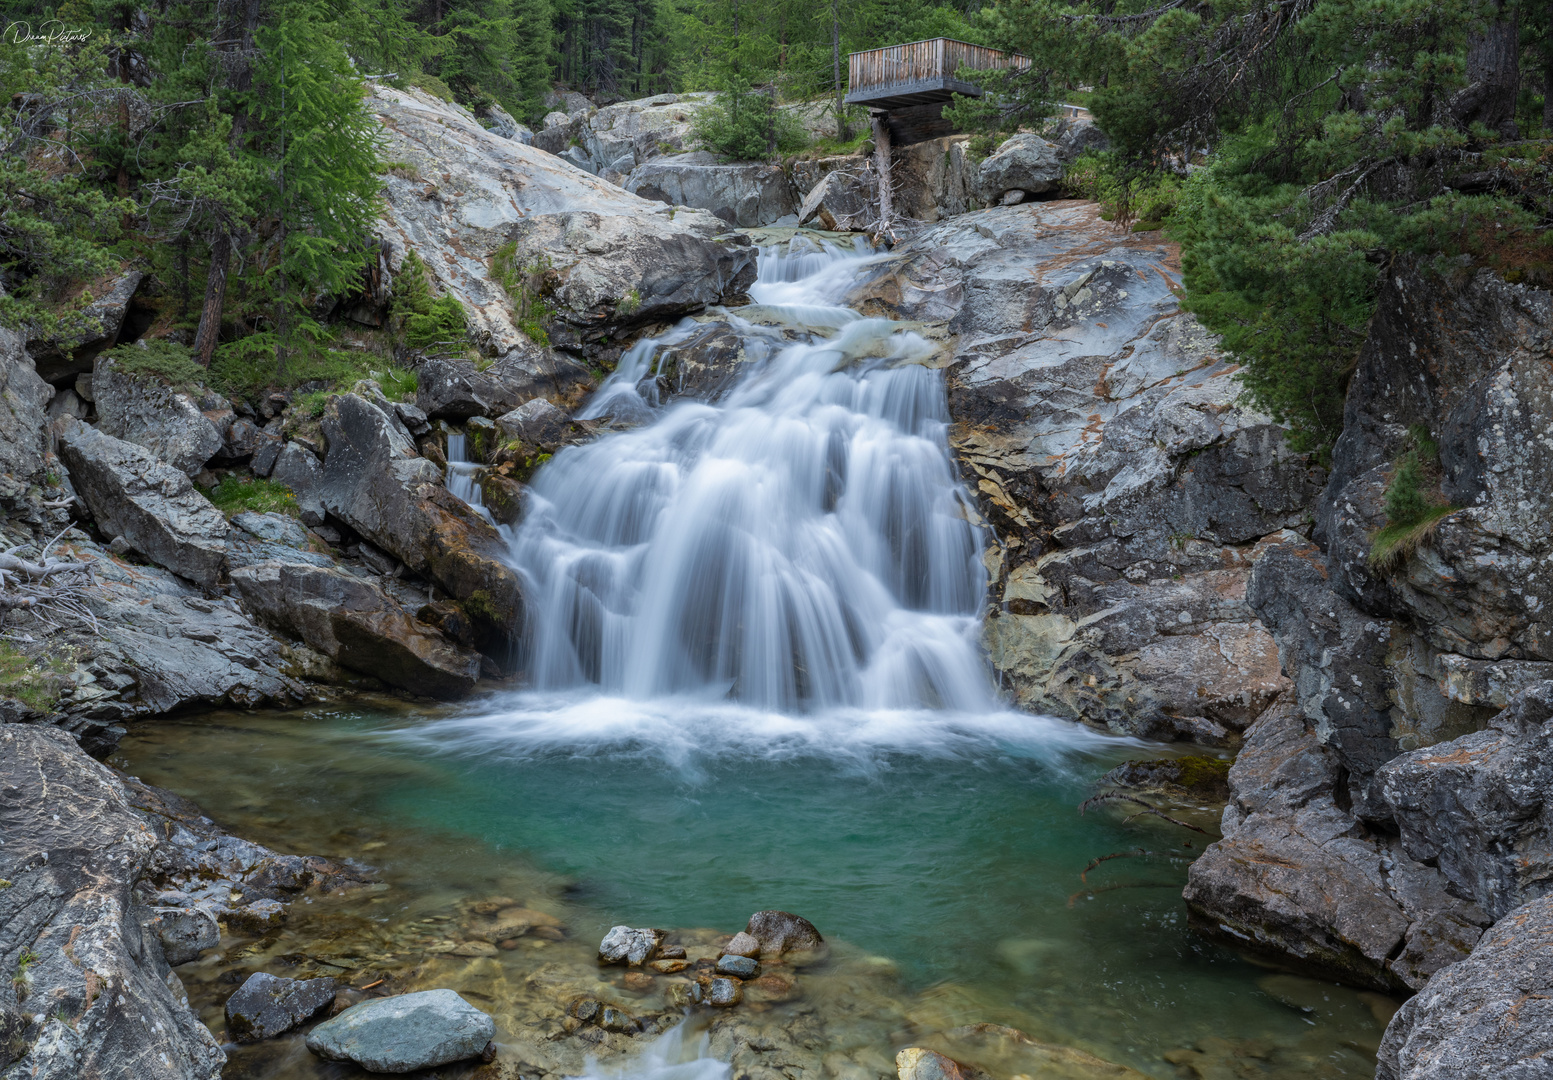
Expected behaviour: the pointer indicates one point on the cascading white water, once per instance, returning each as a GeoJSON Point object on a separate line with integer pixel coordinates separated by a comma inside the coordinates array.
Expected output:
{"type": "Point", "coordinates": [461, 472]}
{"type": "Point", "coordinates": [800, 545]}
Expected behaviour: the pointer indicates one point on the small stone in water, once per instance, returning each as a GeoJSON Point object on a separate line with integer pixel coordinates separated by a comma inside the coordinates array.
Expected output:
{"type": "Point", "coordinates": [639, 981]}
{"type": "Point", "coordinates": [548, 933]}
{"type": "Point", "coordinates": [266, 1005]}
{"type": "Point", "coordinates": [743, 944]}
{"type": "Point", "coordinates": [612, 1019]}
{"type": "Point", "coordinates": [740, 967]}
{"type": "Point", "coordinates": [672, 952]}
{"type": "Point", "coordinates": [585, 1009]}
{"type": "Point", "coordinates": [725, 993]}
{"type": "Point", "coordinates": [492, 906]}
{"type": "Point", "coordinates": [475, 948]}
{"type": "Point", "coordinates": [919, 1063]}
{"type": "Point", "coordinates": [781, 931]}
{"type": "Point", "coordinates": [772, 988]}
{"type": "Point", "coordinates": [510, 944]}
{"type": "Point", "coordinates": [669, 967]}
{"type": "Point", "coordinates": [623, 945]}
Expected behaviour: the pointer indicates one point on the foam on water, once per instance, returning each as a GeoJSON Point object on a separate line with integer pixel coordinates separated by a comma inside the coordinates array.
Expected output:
{"type": "Point", "coordinates": [671, 1056]}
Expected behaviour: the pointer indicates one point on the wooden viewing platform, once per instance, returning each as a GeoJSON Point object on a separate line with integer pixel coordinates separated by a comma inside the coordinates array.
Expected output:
{"type": "Point", "coordinates": [920, 72]}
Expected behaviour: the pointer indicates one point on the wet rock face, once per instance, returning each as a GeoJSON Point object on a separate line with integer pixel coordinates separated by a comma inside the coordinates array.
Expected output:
{"type": "Point", "coordinates": [357, 624]}
{"type": "Point", "coordinates": [1489, 1016]}
{"type": "Point", "coordinates": [144, 412]}
{"type": "Point", "coordinates": [91, 998]}
{"type": "Point", "coordinates": [456, 390]}
{"type": "Point", "coordinates": [1130, 488]}
{"type": "Point", "coordinates": [265, 1006]}
{"type": "Point", "coordinates": [405, 1033]}
{"type": "Point", "coordinates": [373, 482]}
{"type": "Point", "coordinates": [153, 506]}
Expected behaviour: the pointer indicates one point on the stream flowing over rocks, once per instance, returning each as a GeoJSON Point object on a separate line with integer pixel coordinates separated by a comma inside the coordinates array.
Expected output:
{"type": "Point", "coordinates": [995, 462]}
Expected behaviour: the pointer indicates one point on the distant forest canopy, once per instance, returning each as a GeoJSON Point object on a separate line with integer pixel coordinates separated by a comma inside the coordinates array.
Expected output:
{"type": "Point", "coordinates": [1291, 146]}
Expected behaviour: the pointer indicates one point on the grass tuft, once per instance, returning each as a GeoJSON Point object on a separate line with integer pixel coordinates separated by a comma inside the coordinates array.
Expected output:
{"type": "Point", "coordinates": [1394, 544]}
{"type": "Point", "coordinates": [235, 495]}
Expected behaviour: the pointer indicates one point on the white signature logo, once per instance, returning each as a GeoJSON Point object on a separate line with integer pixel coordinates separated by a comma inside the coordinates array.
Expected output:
{"type": "Point", "coordinates": [53, 32]}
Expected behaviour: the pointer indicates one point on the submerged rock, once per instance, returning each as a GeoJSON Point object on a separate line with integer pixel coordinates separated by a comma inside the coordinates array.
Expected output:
{"type": "Point", "coordinates": [265, 1005]}
{"type": "Point", "coordinates": [780, 932]}
{"type": "Point", "coordinates": [405, 1033]}
{"type": "Point", "coordinates": [919, 1063]}
{"type": "Point", "coordinates": [185, 933]}
{"type": "Point", "coordinates": [740, 967]}
{"type": "Point", "coordinates": [153, 506]}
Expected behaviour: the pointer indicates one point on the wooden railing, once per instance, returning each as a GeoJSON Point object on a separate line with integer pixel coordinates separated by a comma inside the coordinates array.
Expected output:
{"type": "Point", "coordinates": [923, 61]}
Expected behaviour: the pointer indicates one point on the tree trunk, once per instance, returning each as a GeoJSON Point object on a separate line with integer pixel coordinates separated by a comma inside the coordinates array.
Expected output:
{"type": "Point", "coordinates": [1547, 87]}
{"type": "Point", "coordinates": [881, 122]}
{"type": "Point", "coordinates": [238, 31]}
{"type": "Point", "coordinates": [215, 295]}
{"type": "Point", "coordinates": [1493, 75]}
{"type": "Point", "coordinates": [835, 65]}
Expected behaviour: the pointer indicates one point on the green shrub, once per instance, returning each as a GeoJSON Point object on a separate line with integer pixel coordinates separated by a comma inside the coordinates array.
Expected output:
{"type": "Point", "coordinates": [171, 363]}
{"type": "Point", "coordinates": [525, 287]}
{"type": "Point", "coordinates": [246, 367]}
{"type": "Point", "coordinates": [235, 495]}
{"type": "Point", "coordinates": [1125, 196]}
{"type": "Point", "coordinates": [445, 324]}
{"type": "Point", "coordinates": [412, 288]}
{"type": "Point", "coordinates": [745, 124]}
{"type": "Point", "coordinates": [34, 681]}
{"type": "Point", "coordinates": [432, 85]}
{"type": "Point", "coordinates": [1411, 513]}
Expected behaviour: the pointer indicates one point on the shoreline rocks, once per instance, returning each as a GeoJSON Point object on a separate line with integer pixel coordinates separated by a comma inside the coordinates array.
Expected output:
{"type": "Point", "coordinates": [405, 1033]}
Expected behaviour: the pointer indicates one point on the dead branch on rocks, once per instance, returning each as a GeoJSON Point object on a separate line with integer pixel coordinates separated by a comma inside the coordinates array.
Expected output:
{"type": "Point", "coordinates": [50, 590]}
{"type": "Point", "coordinates": [1125, 885]}
{"type": "Point", "coordinates": [1135, 853]}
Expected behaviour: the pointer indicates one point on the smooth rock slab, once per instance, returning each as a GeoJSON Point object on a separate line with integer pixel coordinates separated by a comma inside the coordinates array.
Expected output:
{"type": "Point", "coordinates": [267, 1005]}
{"type": "Point", "coordinates": [404, 1033]}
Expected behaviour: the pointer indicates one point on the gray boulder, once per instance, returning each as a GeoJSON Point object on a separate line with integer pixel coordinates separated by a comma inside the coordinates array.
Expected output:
{"type": "Point", "coordinates": [504, 125]}
{"type": "Point", "coordinates": [1026, 163]}
{"type": "Point", "coordinates": [398, 502]}
{"type": "Point", "coordinates": [95, 999]}
{"type": "Point", "coordinates": [781, 932]}
{"type": "Point", "coordinates": [152, 505]}
{"type": "Point", "coordinates": [299, 469]}
{"type": "Point", "coordinates": [1074, 135]}
{"type": "Point", "coordinates": [24, 398]}
{"type": "Point", "coordinates": [457, 390]}
{"type": "Point", "coordinates": [1481, 806]}
{"type": "Point", "coordinates": [61, 357]}
{"type": "Point", "coordinates": [405, 1033]}
{"type": "Point", "coordinates": [265, 1005]}
{"type": "Point", "coordinates": [141, 410]}
{"type": "Point", "coordinates": [1489, 1017]}
{"type": "Point", "coordinates": [185, 933]}
{"type": "Point", "coordinates": [536, 423]}
{"type": "Point", "coordinates": [357, 624]}
{"type": "Point", "coordinates": [746, 195]}
{"type": "Point", "coordinates": [624, 945]}
{"type": "Point", "coordinates": [842, 201]}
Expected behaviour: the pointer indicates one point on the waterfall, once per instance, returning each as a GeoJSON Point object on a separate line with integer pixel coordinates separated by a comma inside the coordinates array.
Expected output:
{"type": "Point", "coordinates": [460, 478]}
{"type": "Point", "coordinates": [799, 545]}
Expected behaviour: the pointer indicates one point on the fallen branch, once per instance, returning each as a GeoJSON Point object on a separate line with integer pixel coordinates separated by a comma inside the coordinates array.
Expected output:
{"type": "Point", "coordinates": [1125, 885]}
{"type": "Point", "coordinates": [1133, 854]}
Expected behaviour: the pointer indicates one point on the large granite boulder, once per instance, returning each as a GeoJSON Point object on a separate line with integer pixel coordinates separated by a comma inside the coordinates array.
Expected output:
{"type": "Point", "coordinates": [153, 506]}
{"type": "Point", "coordinates": [1129, 485]}
{"type": "Point", "coordinates": [455, 389]}
{"type": "Point", "coordinates": [357, 624]}
{"type": "Point", "coordinates": [298, 468]}
{"type": "Point", "coordinates": [1025, 163]}
{"type": "Point", "coordinates": [1489, 1017]}
{"type": "Point", "coordinates": [747, 194]}
{"type": "Point", "coordinates": [843, 200]}
{"type": "Point", "coordinates": [375, 484]}
{"type": "Point", "coordinates": [91, 987]}
{"type": "Point", "coordinates": [24, 397]}
{"type": "Point", "coordinates": [405, 1033]}
{"type": "Point", "coordinates": [935, 179]}
{"type": "Point", "coordinates": [142, 410]}
{"type": "Point", "coordinates": [611, 260]}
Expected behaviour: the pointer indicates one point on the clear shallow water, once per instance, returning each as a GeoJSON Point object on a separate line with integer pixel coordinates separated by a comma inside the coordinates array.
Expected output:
{"type": "Point", "coordinates": [752, 633]}
{"type": "Point", "coordinates": [944, 853]}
